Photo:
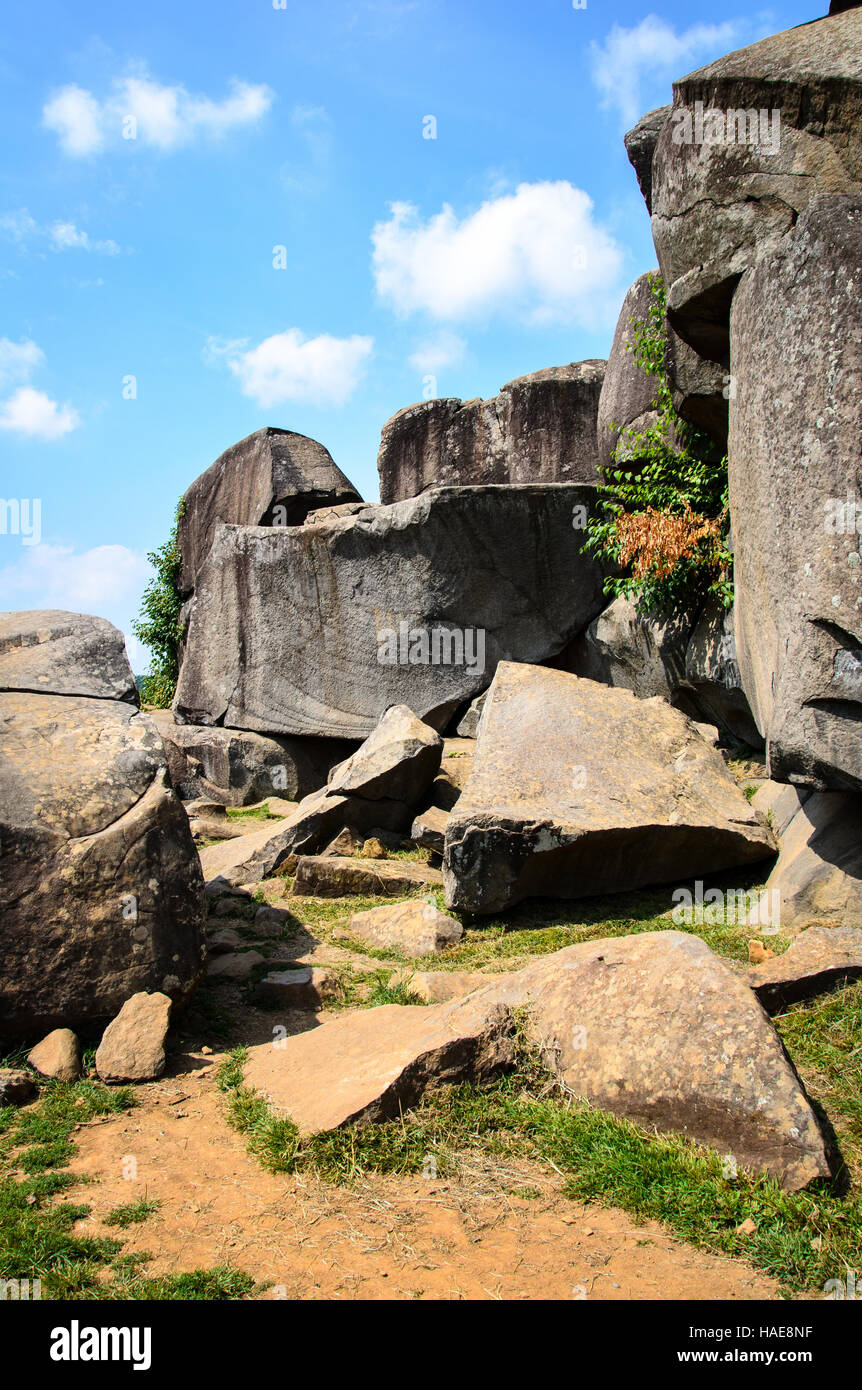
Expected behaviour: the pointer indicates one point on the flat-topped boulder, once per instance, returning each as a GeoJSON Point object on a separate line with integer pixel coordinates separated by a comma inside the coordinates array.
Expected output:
{"type": "Point", "coordinates": [101, 894]}
{"type": "Point", "coordinates": [51, 652]}
{"type": "Point", "coordinates": [274, 477]}
{"type": "Point", "coordinates": [331, 876]}
{"type": "Point", "coordinates": [579, 788]}
{"type": "Point", "coordinates": [794, 494]}
{"type": "Point", "coordinates": [539, 429]}
{"type": "Point", "coordinates": [750, 140]}
{"type": "Point", "coordinates": [318, 629]}
{"type": "Point", "coordinates": [415, 928]}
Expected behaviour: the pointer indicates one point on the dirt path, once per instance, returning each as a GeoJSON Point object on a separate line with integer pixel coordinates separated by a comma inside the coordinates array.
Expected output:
{"type": "Point", "coordinates": [495, 1232]}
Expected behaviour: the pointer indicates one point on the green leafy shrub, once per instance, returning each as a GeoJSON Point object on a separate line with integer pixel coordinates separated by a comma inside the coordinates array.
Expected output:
{"type": "Point", "coordinates": [160, 625]}
{"type": "Point", "coordinates": [663, 518]}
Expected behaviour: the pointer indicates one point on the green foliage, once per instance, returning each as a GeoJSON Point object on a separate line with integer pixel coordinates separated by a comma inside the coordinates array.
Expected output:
{"type": "Point", "coordinates": [665, 521]}
{"type": "Point", "coordinates": [159, 625]}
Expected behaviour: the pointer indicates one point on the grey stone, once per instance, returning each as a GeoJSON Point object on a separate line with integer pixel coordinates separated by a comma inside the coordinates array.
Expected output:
{"type": "Point", "coordinates": [793, 468]}
{"type": "Point", "coordinates": [817, 877]}
{"type": "Point", "coordinates": [640, 143]}
{"type": "Point", "coordinates": [539, 429]}
{"type": "Point", "coordinates": [819, 959]}
{"type": "Point", "coordinates": [302, 629]}
{"type": "Point", "coordinates": [712, 676]}
{"type": "Point", "coordinates": [273, 477]}
{"type": "Point", "coordinates": [579, 788]}
{"type": "Point", "coordinates": [641, 652]}
{"type": "Point", "coordinates": [56, 653]}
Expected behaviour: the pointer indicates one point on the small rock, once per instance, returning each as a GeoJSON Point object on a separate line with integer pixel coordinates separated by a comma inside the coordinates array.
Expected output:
{"type": "Point", "coordinates": [346, 843]}
{"type": "Point", "coordinates": [223, 941]}
{"type": "Point", "coordinates": [305, 987]}
{"type": "Point", "coordinates": [757, 952]}
{"type": "Point", "coordinates": [429, 829]}
{"type": "Point", "coordinates": [133, 1045]}
{"type": "Point", "coordinates": [417, 928]}
{"type": "Point", "coordinates": [15, 1086]}
{"type": "Point", "coordinates": [236, 967]}
{"type": "Point", "coordinates": [746, 1227]}
{"type": "Point", "coordinates": [58, 1055]}
{"type": "Point", "coordinates": [373, 849]}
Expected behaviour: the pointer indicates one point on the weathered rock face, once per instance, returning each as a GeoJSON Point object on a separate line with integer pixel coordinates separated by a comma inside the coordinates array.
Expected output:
{"type": "Point", "coordinates": [628, 393]}
{"type": "Point", "coordinates": [794, 471]}
{"type": "Point", "coordinates": [820, 959]}
{"type": "Point", "coordinates": [579, 788]}
{"type": "Point", "coordinates": [818, 874]}
{"type": "Point", "coordinates": [272, 478]}
{"type": "Point", "coordinates": [398, 760]}
{"type": "Point", "coordinates": [539, 429]}
{"type": "Point", "coordinates": [239, 768]}
{"type": "Point", "coordinates": [657, 1028]}
{"type": "Point", "coordinates": [318, 629]}
{"type": "Point", "coordinates": [56, 653]}
{"type": "Point", "coordinates": [133, 1044]}
{"type": "Point", "coordinates": [101, 893]}
{"type": "Point", "coordinates": [722, 201]}
{"type": "Point", "coordinates": [644, 653]}
{"type": "Point", "coordinates": [640, 143]}
{"type": "Point", "coordinates": [712, 674]}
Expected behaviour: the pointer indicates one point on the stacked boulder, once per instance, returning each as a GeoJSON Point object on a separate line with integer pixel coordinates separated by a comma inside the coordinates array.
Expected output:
{"type": "Point", "coordinates": [101, 891]}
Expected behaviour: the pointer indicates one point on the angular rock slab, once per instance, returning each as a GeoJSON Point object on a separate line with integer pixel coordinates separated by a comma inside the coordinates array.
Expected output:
{"type": "Point", "coordinates": [368, 1066]}
{"type": "Point", "coordinates": [56, 653]}
{"type": "Point", "coordinates": [398, 761]}
{"type": "Point", "coordinates": [656, 1028]}
{"type": "Point", "coordinates": [820, 959]}
{"type": "Point", "coordinates": [795, 496]}
{"type": "Point", "coordinates": [133, 1044]}
{"type": "Point", "coordinates": [720, 206]}
{"type": "Point", "coordinates": [329, 876]}
{"type": "Point", "coordinates": [298, 630]}
{"type": "Point", "coordinates": [644, 653]}
{"type": "Point", "coordinates": [416, 928]}
{"type": "Point", "coordinates": [541, 428]}
{"type": "Point", "coordinates": [273, 477]}
{"type": "Point", "coordinates": [579, 788]}
{"type": "Point", "coordinates": [818, 874]}
{"type": "Point", "coordinates": [640, 143]}
{"type": "Point", "coordinates": [101, 893]}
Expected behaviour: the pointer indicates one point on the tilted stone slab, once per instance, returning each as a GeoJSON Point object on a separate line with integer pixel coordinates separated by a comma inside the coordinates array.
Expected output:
{"type": "Point", "coordinates": [820, 959]}
{"type": "Point", "coordinates": [318, 629]}
{"type": "Point", "coordinates": [56, 653]}
{"type": "Point", "coordinates": [579, 788]}
{"type": "Point", "coordinates": [330, 876]}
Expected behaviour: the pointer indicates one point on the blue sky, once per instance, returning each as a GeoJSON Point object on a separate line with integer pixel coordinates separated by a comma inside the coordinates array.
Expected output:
{"type": "Point", "coordinates": [228, 213]}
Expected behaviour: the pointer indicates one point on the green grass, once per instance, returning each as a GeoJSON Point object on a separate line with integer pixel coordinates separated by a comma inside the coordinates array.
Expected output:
{"type": "Point", "coordinates": [131, 1213]}
{"type": "Point", "coordinates": [250, 813]}
{"type": "Point", "coordinates": [800, 1239]}
{"type": "Point", "coordinates": [382, 992]}
{"type": "Point", "coordinates": [37, 1235]}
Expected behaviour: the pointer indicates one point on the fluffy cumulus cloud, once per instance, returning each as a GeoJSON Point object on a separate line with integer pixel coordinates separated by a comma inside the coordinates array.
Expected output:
{"type": "Point", "coordinates": [22, 228]}
{"type": "Point", "coordinates": [537, 254]}
{"type": "Point", "coordinates": [142, 110]}
{"type": "Point", "coordinates": [29, 412]}
{"type": "Point", "coordinates": [55, 576]}
{"type": "Point", "coordinates": [290, 367]}
{"type": "Point", "coordinates": [651, 52]}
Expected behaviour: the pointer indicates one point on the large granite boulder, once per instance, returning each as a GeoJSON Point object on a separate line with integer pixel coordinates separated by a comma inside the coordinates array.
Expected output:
{"type": "Point", "coordinates": [239, 768]}
{"type": "Point", "coordinates": [272, 478]}
{"type": "Point", "coordinates": [539, 429]}
{"type": "Point", "coordinates": [378, 787]}
{"type": "Point", "coordinates": [57, 653]}
{"type": "Point", "coordinates": [579, 788]}
{"type": "Point", "coordinates": [318, 629]}
{"type": "Point", "coordinates": [795, 427]}
{"type": "Point", "coordinates": [749, 141]}
{"type": "Point", "coordinates": [101, 892]}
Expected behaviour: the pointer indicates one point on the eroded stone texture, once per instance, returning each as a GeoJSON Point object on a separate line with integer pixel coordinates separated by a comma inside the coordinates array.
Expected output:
{"type": "Point", "coordinates": [57, 653]}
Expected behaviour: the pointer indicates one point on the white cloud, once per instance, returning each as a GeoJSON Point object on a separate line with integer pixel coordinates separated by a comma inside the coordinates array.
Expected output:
{"type": "Point", "coordinates": [164, 116]}
{"type": "Point", "coordinates": [652, 50]}
{"type": "Point", "coordinates": [61, 236]}
{"type": "Point", "coordinates": [32, 413]}
{"type": "Point", "coordinates": [67, 237]}
{"type": "Point", "coordinates": [54, 576]}
{"type": "Point", "coordinates": [536, 254]}
{"type": "Point", "coordinates": [18, 360]}
{"type": "Point", "coordinates": [444, 349]}
{"type": "Point", "coordinates": [290, 367]}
